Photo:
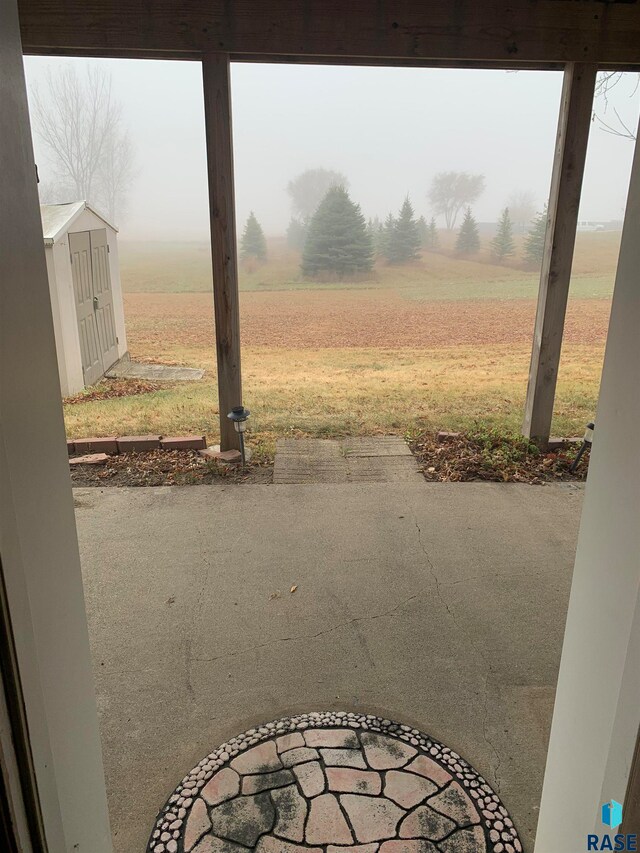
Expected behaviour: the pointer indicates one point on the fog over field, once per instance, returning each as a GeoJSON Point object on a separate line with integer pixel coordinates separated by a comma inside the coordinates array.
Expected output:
{"type": "Point", "coordinates": [361, 299]}
{"type": "Point", "coordinates": [388, 130]}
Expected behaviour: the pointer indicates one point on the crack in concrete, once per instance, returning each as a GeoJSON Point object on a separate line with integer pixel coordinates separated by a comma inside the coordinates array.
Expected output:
{"type": "Point", "coordinates": [476, 648]}
{"type": "Point", "coordinates": [500, 575]}
{"type": "Point", "coordinates": [433, 573]}
{"type": "Point", "coordinates": [127, 671]}
{"type": "Point", "coordinates": [485, 720]}
{"type": "Point", "coordinates": [189, 658]}
{"type": "Point", "coordinates": [337, 627]}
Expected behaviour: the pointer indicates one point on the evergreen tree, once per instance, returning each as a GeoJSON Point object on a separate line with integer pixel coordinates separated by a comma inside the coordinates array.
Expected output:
{"type": "Point", "coordinates": [468, 241]}
{"type": "Point", "coordinates": [387, 235]}
{"type": "Point", "coordinates": [502, 245]}
{"type": "Point", "coordinates": [432, 241]}
{"type": "Point", "coordinates": [534, 241]}
{"type": "Point", "coordinates": [337, 239]}
{"type": "Point", "coordinates": [297, 234]}
{"type": "Point", "coordinates": [423, 230]}
{"type": "Point", "coordinates": [403, 239]}
{"type": "Point", "coordinates": [252, 242]}
{"type": "Point", "coordinates": [374, 230]}
{"type": "Point", "coordinates": [407, 237]}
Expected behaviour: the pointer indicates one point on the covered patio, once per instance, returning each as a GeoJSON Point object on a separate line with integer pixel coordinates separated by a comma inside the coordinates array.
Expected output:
{"type": "Point", "coordinates": [441, 606]}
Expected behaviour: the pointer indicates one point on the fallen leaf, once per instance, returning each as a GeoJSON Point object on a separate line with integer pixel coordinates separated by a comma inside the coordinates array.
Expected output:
{"type": "Point", "coordinates": [294, 587]}
{"type": "Point", "coordinates": [275, 594]}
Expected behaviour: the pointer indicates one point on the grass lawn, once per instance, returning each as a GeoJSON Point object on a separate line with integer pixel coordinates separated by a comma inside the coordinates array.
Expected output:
{"type": "Point", "coordinates": [354, 391]}
{"type": "Point", "coordinates": [440, 344]}
{"type": "Point", "coordinates": [186, 268]}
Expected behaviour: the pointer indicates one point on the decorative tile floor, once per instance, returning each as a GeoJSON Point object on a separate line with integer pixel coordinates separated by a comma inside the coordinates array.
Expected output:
{"type": "Point", "coordinates": [334, 782]}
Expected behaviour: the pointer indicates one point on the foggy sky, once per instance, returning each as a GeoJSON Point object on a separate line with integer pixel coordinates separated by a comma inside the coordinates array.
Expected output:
{"type": "Point", "coordinates": [389, 130]}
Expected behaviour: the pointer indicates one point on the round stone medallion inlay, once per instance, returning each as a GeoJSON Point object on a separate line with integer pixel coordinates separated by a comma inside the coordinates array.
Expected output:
{"type": "Point", "coordinates": [334, 782]}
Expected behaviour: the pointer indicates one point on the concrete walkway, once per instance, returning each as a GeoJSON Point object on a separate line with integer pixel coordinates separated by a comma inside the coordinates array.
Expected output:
{"type": "Point", "coordinates": [437, 605]}
{"type": "Point", "coordinates": [126, 369]}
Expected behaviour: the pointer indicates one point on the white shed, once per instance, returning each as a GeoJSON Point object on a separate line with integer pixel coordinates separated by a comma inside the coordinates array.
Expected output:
{"type": "Point", "coordinates": [81, 249]}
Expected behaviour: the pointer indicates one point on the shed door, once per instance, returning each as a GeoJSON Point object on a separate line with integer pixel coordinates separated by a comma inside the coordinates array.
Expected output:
{"type": "Point", "coordinates": [81, 271]}
{"type": "Point", "coordinates": [102, 293]}
{"type": "Point", "coordinates": [94, 302]}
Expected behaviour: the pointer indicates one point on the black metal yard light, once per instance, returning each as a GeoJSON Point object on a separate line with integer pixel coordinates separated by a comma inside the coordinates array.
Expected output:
{"type": "Point", "coordinates": [586, 442]}
{"type": "Point", "coordinates": [239, 417]}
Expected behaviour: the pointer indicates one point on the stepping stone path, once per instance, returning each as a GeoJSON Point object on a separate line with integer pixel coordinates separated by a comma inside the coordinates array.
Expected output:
{"type": "Point", "coordinates": [333, 782]}
{"type": "Point", "coordinates": [126, 369]}
{"type": "Point", "coordinates": [378, 459]}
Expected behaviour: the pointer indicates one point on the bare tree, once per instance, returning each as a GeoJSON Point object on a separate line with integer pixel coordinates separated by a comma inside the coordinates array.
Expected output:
{"type": "Point", "coordinates": [116, 174]}
{"type": "Point", "coordinates": [451, 191]}
{"type": "Point", "coordinates": [614, 123]}
{"type": "Point", "coordinates": [81, 127]}
{"type": "Point", "coordinates": [522, 208]}
{"type": "Point", "coordinates": [53, 191]}
{"type": "Point", "coordinates": [309, 188]}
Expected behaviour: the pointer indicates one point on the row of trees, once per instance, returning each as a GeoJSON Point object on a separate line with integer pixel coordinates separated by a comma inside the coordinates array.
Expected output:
{"type": "Point", "coordinates": [337, 239]}
{"type": "Point", "coordinates": [448, 194]}
{"type": "Point", "coordinates": [503, 246]}
{"type": "Point", "coordinates": [400, 238]}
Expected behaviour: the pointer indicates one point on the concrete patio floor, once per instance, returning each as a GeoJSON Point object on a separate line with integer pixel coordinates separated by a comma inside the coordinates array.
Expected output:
{"type": "Point", "coordinates": [438, 605]}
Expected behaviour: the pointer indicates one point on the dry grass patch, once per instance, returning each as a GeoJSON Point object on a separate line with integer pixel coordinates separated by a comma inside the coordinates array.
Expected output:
{"type": "Point", "coordinates": [438, 344]}
{"type": "Point", "coordinates": [354, 391]}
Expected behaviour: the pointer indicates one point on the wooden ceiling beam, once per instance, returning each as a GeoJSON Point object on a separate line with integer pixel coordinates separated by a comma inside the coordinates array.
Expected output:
{"type": "Point", "coordinates": [509, 33]}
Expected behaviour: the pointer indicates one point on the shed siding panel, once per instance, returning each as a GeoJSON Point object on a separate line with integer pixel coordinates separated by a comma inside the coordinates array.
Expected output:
{"type": "Point", "coordinates": [116, 289]}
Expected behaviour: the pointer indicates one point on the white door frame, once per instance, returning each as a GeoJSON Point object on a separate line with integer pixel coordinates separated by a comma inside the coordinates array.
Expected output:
{"type": "Point", "coordinates": [38, 542]}
{"type": "Point", "coordinates": [597, 709]}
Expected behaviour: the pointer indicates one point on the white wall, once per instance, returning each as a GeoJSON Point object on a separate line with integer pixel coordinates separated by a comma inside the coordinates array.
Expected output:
{"type": "Point", "coordinates": [597, 710]}
{"type": "Point", "coordinates": [38, 543]}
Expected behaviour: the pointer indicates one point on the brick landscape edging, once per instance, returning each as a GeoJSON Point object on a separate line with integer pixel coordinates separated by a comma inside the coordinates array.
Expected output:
{"type": "Point", "coordinates": [113, 445]}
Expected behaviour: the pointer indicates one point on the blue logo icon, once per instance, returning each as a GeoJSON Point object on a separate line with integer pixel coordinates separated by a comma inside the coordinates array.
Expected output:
{"type": "Point", "coordinates": [612, 813]}
{"type": "Point", "coordinates": [612, 817]}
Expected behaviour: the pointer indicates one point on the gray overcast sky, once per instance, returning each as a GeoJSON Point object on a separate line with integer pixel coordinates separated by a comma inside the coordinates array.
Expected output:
{"type": "Point", "coordinates": [388, 129]}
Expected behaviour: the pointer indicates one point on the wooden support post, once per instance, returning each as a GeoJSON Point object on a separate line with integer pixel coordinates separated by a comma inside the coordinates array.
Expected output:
{"type": "Point", "coordinates": [564, 200]}
{"type": "Point", "coordinates": [217, 111]}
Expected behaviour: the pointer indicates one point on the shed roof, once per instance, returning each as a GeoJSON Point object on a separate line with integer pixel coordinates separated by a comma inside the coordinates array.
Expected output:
{"type": "Point", "coordinates": [58, 218]}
